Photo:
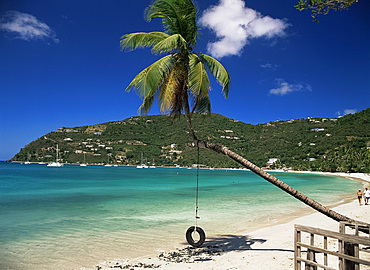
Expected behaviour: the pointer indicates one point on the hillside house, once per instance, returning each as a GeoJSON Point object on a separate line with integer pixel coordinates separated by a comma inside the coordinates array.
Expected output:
{"type": "Point", "coordinates": [271, 161]}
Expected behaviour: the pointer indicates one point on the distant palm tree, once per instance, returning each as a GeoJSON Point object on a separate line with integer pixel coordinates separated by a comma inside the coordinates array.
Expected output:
{"type": "Point", "coordinates": [181, 78]}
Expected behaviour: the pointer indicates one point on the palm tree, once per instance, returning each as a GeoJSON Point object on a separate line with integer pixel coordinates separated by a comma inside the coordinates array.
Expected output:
{"type": "Point", "coordinates": [181, 74]}
{"type": "Point", "coordinates": [180, 80]}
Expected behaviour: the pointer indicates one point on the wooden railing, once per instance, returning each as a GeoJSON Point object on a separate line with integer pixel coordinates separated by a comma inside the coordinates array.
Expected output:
{"type": "Point", "coordinates": [324, 245]}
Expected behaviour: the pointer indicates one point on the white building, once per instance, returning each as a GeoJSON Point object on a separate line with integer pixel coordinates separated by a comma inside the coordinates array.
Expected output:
{"type": "Point", "coordinates": [272, 161]}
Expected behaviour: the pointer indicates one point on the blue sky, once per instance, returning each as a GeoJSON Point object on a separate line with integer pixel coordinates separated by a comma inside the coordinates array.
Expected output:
{"type": "Point", "coordinates": [61, 64]}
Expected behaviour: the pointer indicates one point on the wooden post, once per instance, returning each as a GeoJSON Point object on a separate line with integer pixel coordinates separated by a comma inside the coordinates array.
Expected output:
{"type": "Point", "coordinates": [311, 254]}
{"type": "Point", "coordinates": [297, 250]}
{"type": "Point", "coordinates": [342, 229]}
{"type": "Point", "coordinates": [348, 249]}
{"type": "Point", "coordinates": [326, 248]}
{"type": "Point", "coordinates": [356, 250]}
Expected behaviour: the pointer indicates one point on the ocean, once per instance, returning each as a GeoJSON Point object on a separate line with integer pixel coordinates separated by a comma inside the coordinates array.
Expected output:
{"type": "Point", "coordinates": [73, 217]}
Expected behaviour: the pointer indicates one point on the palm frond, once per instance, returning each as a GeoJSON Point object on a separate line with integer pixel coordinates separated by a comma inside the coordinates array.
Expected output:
{"type": "Point", "coordinates": [141, 39]}
{"type": "Point", "coordinates": [203, 106]}
{"type": "Point", "coordinates": [147, 104]}
{"type": "Point", "coordinates": [199, 84]}
{"type": "Point", "coordinates": [173, 93]}
{"type": "Point", "coordinates": [218, 71]}
{"type": "Point", "coordinates": [166, 93]}
{"type": "Point", "coordinates": [169, 44]}
{"type": "Point", "coordinates": [178, 17]}
{"type": "Point", "coordinates": [149, 81]}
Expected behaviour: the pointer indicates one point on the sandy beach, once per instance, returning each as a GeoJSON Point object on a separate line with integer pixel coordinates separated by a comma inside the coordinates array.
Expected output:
{"type": "Point", "coordinates": [270, 247]}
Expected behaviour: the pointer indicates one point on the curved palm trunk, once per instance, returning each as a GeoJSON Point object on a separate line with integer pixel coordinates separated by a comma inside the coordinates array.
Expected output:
{"type": "Point", "coordinates": [270, 178]}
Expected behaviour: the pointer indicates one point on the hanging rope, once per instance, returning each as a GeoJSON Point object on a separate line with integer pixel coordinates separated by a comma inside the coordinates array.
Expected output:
{"type": "Point", "coordinates": [196, 229]}
{"type": "Point", "coordinates": [197, 193]}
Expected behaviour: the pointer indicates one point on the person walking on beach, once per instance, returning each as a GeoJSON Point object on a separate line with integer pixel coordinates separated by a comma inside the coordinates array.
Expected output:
{"type": "Point", "coordinates": [366, 196]}
{"type": "Point", "coordinates": [359, 196]}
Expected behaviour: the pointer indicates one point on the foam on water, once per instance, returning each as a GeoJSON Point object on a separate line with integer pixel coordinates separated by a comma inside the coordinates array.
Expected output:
{"type": "Point", "coordinates": [73, 217]}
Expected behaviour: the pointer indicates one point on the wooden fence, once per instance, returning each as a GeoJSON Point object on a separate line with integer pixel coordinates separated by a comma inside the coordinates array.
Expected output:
{"type": "Point", "coordinates": [324, 245]}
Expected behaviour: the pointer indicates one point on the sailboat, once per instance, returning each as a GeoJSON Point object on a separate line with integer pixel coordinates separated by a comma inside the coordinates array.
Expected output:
{"type": "Point", "coordinates": [142, 165]}
{"type": "Point", "coordinates": [28, 159]}
{"type": "Point", "coordinates": [56, 163]}
{"type": "Point", "coordinates": [153, 165]}
{"type": "Point", "coordinates": [84, 164]}
{"type": "Point", "coordinates": [108, 165]}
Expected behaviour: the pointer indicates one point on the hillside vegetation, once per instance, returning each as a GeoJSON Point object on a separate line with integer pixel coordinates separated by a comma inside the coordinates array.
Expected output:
{"type": "Point", "coordinates": [322, 144]}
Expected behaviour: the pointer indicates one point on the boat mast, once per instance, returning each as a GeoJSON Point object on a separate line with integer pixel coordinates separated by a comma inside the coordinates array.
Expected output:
{"type": "Point", "coordinates": [57, 154]}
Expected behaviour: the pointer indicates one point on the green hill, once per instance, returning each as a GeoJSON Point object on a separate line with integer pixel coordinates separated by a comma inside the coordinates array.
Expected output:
{"type": "Point", "coordinates": [340, 144]}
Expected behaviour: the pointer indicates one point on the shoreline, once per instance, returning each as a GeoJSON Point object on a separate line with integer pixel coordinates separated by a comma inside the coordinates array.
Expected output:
{"type": "Point", "coordinates": [358, 176]}
{"type": "Point", "coordinates": [260, 248]}
{"type": "Point", "coordinates": [355, 176]}
{"type": "Point", "coordinates": [263, 248]}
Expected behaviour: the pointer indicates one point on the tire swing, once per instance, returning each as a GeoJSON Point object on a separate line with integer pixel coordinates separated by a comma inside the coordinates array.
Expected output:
{"type": "Point", "coordinates": [195, 229]}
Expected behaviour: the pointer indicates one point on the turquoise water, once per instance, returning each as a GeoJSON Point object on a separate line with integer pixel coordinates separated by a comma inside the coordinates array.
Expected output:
{"type": "Point", "coordinates": [72, 217]}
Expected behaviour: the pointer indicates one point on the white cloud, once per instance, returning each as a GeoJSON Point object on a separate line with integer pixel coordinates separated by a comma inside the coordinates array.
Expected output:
{"type": "Point", "coordinates": [269, 66]}
{"type": "Point", "coordinates": [345, 112]}
{"type": "Point", "coordinates": [234, 25]}
{"type": "Point", "coordinates": [285, 88]}
{"type": "Point", "coordinates": [350, 111]}
{"type": "Point", "coordinates": [27, 27]}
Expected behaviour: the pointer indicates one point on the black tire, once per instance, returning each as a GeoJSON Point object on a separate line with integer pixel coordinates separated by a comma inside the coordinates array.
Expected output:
{"type": "Point", "coordinates": [190, 239]}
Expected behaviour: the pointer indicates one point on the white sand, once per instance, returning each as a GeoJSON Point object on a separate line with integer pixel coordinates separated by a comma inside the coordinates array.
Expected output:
{"type": "Point", "coordinates": [268, 248]}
